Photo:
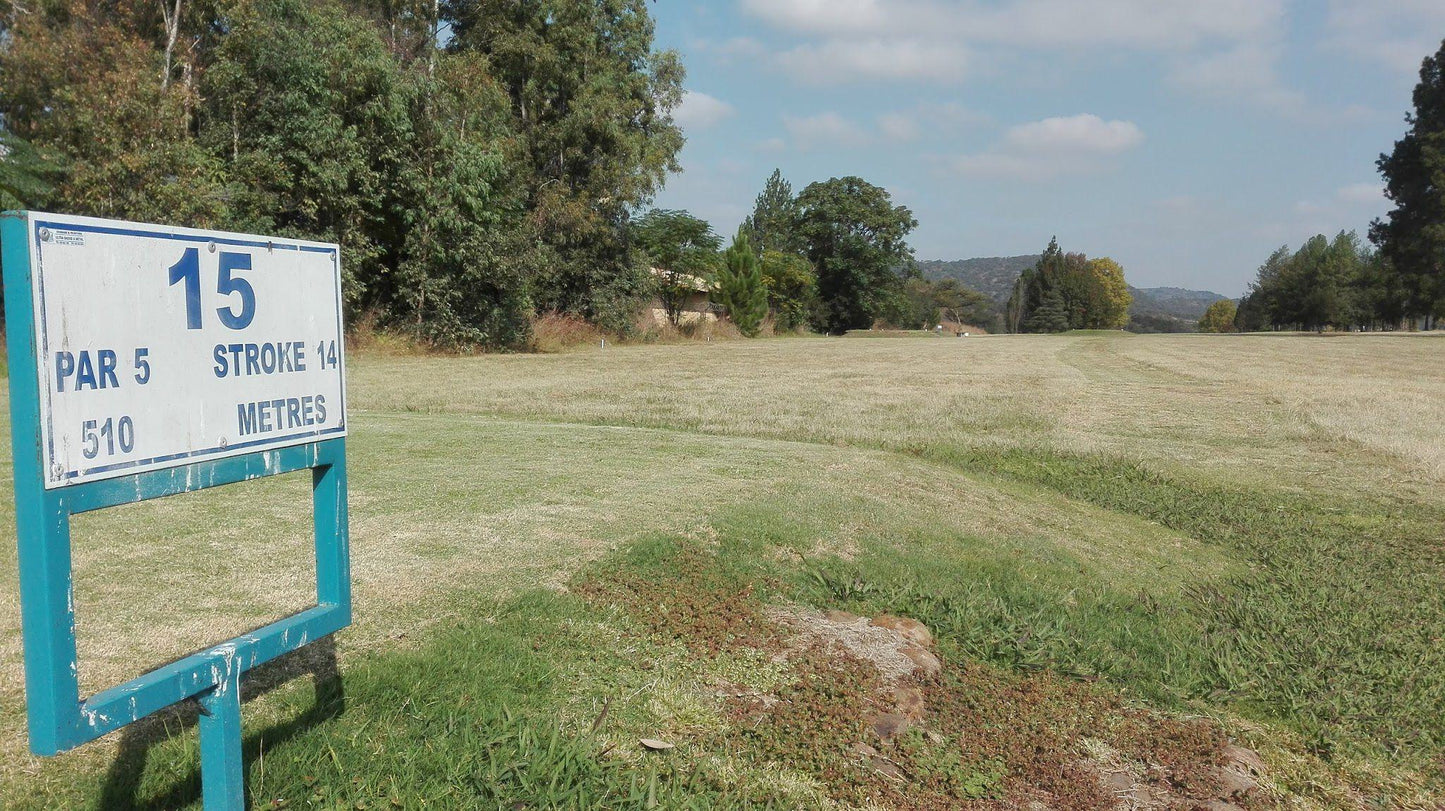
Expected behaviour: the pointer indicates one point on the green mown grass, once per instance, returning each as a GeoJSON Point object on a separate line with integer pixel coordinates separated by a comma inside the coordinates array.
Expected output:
{"type": "Point", "coordinates": [1335, 626]}
{"type": "Point", "coordinates": [470, 719]}
{"type": "Point", "coordinates": [535, 596]}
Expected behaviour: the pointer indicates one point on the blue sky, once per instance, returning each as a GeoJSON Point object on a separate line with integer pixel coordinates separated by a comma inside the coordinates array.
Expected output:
{"type": "Point", "coordinates": [1186, 139]}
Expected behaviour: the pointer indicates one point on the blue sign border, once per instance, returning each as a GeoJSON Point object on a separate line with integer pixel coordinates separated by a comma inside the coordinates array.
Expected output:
{"type": "Point", "coordinates": [59, 718]}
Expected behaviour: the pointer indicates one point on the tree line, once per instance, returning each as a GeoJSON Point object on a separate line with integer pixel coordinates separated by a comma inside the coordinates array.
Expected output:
{"type": "Point", "coordinates": [478, 160]}
{"type": "Point", "coordinates": [835, 257]}
{"type": "Point", "coordinates": [1338, 283]}
{"type": "Point", "coordinates": [1395, 281]}
{"type": "Point", "coordinates": [481, 161]}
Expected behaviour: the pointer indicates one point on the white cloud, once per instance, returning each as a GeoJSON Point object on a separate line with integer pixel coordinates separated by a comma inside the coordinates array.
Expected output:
{"type": "Point", "coordinates": [1053, 147]}
{"type": "Point", "coordinates": [846, 60]}
{"type": "Point", "coordinates": [771, 145]}
{"type": "Point", "coordinates": [828, 16]}
{"type": "Point", "coordinates": [1079, 133]}
{"type": "Point", "coordinates": [731, 50]}
{"type": "Point", "coordinates": [700, 111]}
{"type": "Point", "coordinates": [1004, 166]}
{"type": "Point", "coordinates": [952, 115]}
{"type": "Point", "coordinates": [1396, 35]}
{"type": "Point", "coordinates": [828, 129]}
{"type": "Point", "coordinates": [895, 127]}
{"type": "Point", "coordinates": [1157, 25]}
{"type": "Point", "coordinates": [1349, 208]}
{"type": "Point", "coordinates": [898, 126]}
{"type": "Point", "coordinates": [1244, 73]}
{"type": "Point", "coordinates": [1223, 48]}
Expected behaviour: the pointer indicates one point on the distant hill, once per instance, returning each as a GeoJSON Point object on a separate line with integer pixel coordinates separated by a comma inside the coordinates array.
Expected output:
{"type": "Point", "coordinates": [1155, 309]}
{"type": "Point", "coordinates": [1168, 309]}
{"type": "Point", "coordinates": [1175, 301]}
{"type": "Point", "coordinates": [993, 276]}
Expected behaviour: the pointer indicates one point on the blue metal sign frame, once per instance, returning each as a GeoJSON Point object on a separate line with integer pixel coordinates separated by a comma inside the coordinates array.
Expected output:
{"type": "Point", "coordinates": [59, 718]}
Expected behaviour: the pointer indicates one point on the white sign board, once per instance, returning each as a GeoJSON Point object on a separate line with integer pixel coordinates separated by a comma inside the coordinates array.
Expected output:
{"type": "Point", "coordinates": [159, 347]}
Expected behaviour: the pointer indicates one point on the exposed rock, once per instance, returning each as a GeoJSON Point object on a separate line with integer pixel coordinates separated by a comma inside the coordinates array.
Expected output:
{"type": "Point", "coordinates": [925, 664]}
{"type": "Point", "coordinates": [882, 647]}
{"type": "Point", "coordinates": [910, 629]}
{"type": "Point", "coordinates": [890, 725]}
{"type": "Point", "coordinates": [1245, 761]}
{"type": "Point", "coordinates": [1136, 786]}
{"type": "Point", "coordinates": [876, 761]}
{"type": "Point", "coordinates": [908, 702]}
{"type": "Point", "coordinates": [1234, 785]}
{"type": "Point", "coordinates": [1118, 782]}
{"type": "Point", "coordinates": [862, 749]}
{"type": "Point", "coordinates": [888, 769]}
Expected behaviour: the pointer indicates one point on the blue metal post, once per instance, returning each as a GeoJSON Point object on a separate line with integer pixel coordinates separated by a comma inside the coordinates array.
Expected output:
{"type": "Point", "coordinates": [329, 514]}
{"type": "Point", "coordinates": [42, 523]}
{"type": "Point", "coordinates": [223, 777]}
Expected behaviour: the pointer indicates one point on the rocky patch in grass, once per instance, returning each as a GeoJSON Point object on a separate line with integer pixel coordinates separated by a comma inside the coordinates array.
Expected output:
{"type": "Point", "coordinates": [877, 718]}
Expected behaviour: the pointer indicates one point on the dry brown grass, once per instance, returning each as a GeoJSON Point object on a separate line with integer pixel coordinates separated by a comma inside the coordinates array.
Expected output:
{"type": "Point", "coordinates": [558, 332]}
{"type": "Point", "coordinates": [1318, 411]}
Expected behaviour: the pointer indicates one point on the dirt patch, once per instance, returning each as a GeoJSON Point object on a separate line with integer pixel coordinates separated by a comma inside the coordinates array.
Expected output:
{"type": "Point", "coordinates": [875, 716]}
{"type": "Point", "coordinates": [894, 654]}
{"type": "Point", "coordinates": [878, 718]}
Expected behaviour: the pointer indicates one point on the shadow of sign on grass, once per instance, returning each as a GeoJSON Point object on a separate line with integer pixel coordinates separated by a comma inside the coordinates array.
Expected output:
{"type": "Point", "coordinates": [122, 788]}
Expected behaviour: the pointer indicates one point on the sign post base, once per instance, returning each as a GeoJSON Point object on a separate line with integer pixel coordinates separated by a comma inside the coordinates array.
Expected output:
{"type": "Point", "coordinates": [223, 778]}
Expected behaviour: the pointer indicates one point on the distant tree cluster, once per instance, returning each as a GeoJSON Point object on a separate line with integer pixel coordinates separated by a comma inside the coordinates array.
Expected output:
{"type": "Point", "coordinates": [934, 303]}
{"type": "Point", "coordinates": [481, 161]}
{"type": "Point", "coordinates": [1327, 284]}
{"type": "Point", "coordinates": [683, 252]}
{"type": "Point", "coordinates": [834, 257]}
{"type": "Point", "coordinates": [1219, 316]}
{"type": "Point", "coordinates": [1344, 284]}
{"type": "Point", "coordinates": [1068, 291]}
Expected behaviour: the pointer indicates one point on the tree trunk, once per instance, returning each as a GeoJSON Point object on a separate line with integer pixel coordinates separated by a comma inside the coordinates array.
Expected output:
{"type": "Point", "coordinates": [436, 21]}
{"type": "Point", "coordinates": [172, 19]}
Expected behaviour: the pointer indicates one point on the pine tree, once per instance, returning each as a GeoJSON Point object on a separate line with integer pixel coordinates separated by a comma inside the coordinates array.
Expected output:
{"type": "Point", "coordinates": [741, 289]}
{"type": "Point", "coordinates": [1036, 285]}
{"type": "Point", "coordinates": [1052, 315]}
{"type": "Point", "coordinates": [770, 226]}
{"type": "Point", "coordinates": [1412, 237]}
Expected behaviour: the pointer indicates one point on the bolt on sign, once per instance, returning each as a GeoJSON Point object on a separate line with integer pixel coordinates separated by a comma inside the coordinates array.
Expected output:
{"type": "Point", "coordinates": [148, 361]}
